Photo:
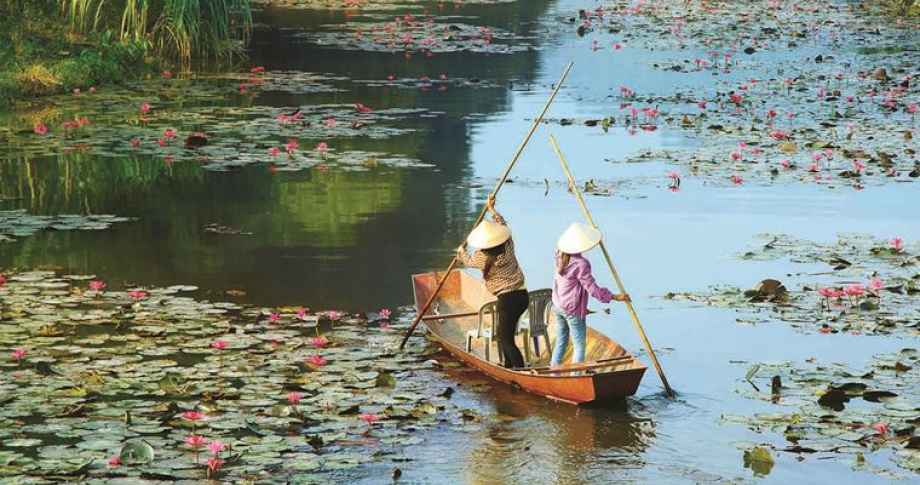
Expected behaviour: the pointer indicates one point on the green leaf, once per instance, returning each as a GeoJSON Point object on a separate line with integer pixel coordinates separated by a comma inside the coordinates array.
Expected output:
{"type": "Point", "coordinates": [758, 459]}
{"type": "Point", "coordinates": [136, 453]}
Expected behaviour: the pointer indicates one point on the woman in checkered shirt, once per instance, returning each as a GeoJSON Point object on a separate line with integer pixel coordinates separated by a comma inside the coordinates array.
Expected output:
{"type": "Point", "coordinates": [503, 278]}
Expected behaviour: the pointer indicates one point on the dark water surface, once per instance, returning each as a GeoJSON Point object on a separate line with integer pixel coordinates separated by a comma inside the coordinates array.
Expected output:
{"type": "Point", "coordinates": [350, 240]}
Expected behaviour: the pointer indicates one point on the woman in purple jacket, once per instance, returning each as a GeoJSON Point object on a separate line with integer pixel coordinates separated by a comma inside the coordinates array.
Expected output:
{"type": "Point", "coordinates": [572, 284]}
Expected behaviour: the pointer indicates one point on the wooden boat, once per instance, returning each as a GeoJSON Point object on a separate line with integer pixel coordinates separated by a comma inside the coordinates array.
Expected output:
{"type": "Point", "coordinates": [609, 371]}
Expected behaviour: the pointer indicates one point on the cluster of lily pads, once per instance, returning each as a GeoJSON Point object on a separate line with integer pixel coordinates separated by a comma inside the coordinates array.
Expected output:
{"type": "Point", "coordinates": [871, 286]}
{"type": "Point", "coordinates": [808, 92]}
{"type": "Point", "coordinates": [424, 35]}
{"type": "Point", "coordinates": [18, 223]}
{"type": "Point", "coordinates": [145, 383]}
{"type": "Point", "coordinates": [368, 5]}
{"type": "Point", "coordinates": [196, 119]}
{"type": "Point", "coordinates": [867, 418]}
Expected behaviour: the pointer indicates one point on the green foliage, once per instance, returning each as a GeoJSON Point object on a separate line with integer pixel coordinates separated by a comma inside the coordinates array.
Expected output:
{"type": "Point", "coordinates": [181, 28]}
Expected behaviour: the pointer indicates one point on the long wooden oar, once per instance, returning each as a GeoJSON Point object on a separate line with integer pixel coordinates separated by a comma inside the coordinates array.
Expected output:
{"type": "Point", "coordinates": [453, 262]}
{"type": "Point", "coordinates": [616, 276]}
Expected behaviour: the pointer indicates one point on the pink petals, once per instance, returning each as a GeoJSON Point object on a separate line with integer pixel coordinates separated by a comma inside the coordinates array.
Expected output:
{"type": "Point", "coordinates": [219, 344]}
{"type": "Point", "coordinates": [97, 285]}
{"type": "Point", "coordinates": [317, 361]}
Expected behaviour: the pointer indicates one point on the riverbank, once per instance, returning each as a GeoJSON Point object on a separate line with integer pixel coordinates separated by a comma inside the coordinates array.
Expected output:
{"type": "Point", "coordinates": [38, 57]}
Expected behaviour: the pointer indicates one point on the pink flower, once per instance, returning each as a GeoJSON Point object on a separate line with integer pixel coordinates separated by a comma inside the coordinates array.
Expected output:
{"type": "Point", "coordinates": [291, 145]}
{"type": "Point", "coordinates": [92, 89]}
{"type": "Point", "coordinates": [257, 69]}
{"type": "Point", "coordinates": [855, 290]}
{"type": "Point", "coordinates": [813, 167]}
{"type": "Point", "coordinates": [137, 294]}
{"type": "Point", "coordinates": [274, 151]}
{"type": "Point", "coordinates": [2, 280]}
{"type": "Point", "coordinates": [742, 145]}
{"type": "Point", "coordinates": [370, 418]}
{"type": "Point", "coordinates": [214, 464]}
{"type": "Point", "coordinates": [824, 330]}
{"type": "Point", "coordinates": [736, 156]}
{"type": "Point", "coordinates": [19, 353]}
{"type": "Point", "coordinates": [136, 143]}
{"type": "Point", "coordinates": [828, 153]}
{"type": "Point", "coordinates": [778, 134]}
{"type": "Point", "coordinates": [364, 109]}
{"type": "Point", "coordinates": [736, 179]}
{"type": "Point", "coordinates": [219, 344]}
{"type": "Point", "coordinates": [318, 342]}
{"type": "Point", "coordinates": [169, 133]}
{"type": "Point", "coordinates": [317, 360]}
{"type": "Point", "coordinates": [161, 142]}
{"type": "Point", "coordinates": [195, 441]}
{"type": "Point", "coordinates": [333, 315]}
{"type": "Point", "coordinates": [295, 397]}
{"type": "Point", "coordinates": [301, 313]}
{"type": "Point", "coordinates": [145, 107]}
{"type": "Point", "coordinates": [827, 292]}
{"type": "Point", "coordinates": [40, 129]}
{"type": "Point", "coordinates": [385, 313]}
{"type": "Point", "coordinates": [97, 285]}
{"type": "Point", "coordinates": [215, 447]}
{"type": "Point", "coordinates": [898, 244]}
{"type": "Point", "coordinates": [274, 317]}
{"type": "Point", "coordinates": [786, 163]}
{"type": "Point", "coordinates": [194, 415]}
{"type": "Point", "coordinates": [858, 166]}
{"type": "Point", "coordinates": [875, 285]}
{"type": "Point", "coordinates": [912, 108]}
{"type": "Point", "coordinates": [167, 74]}
{"type": "Point", "coordinates": [880, 428]}
{"type": "Point", "coordinates": [115, 461]}
{"type": "Point", "coordinates": [674, 175]}
{"type": "Point", "coordinates": [321, 146]}
{"type": "Point", "coordinates": [76, 91]}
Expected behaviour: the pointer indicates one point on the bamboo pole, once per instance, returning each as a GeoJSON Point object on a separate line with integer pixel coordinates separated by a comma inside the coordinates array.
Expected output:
{"type": "Point", "coordinates": [616, 276]}
{"type": "Point", "coordinates": [501, 182]}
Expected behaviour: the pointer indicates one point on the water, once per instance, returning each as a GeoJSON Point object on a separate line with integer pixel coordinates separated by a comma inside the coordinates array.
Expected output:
{"type": "Point", "coordinates": [350, 240]}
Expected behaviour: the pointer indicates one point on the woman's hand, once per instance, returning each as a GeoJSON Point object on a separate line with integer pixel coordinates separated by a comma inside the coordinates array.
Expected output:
{"type": "Point", "coordinates": [490, 203]}
{"type": "Point", "coordinates": [622, 297]}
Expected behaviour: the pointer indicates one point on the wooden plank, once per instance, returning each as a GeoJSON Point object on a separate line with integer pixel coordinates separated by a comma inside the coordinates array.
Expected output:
{"type": "Point", "coordinates": [447, 316]}
{"type": "Point", "coordinates": [583, 366]}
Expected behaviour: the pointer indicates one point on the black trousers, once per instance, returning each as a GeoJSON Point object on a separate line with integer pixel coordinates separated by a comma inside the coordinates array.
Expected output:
{"type": "Point", "coordinates": [511, 306]}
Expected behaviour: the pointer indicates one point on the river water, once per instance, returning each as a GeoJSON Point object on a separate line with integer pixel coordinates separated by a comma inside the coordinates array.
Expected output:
{"type": "Point", "coordinates": [351, 240]}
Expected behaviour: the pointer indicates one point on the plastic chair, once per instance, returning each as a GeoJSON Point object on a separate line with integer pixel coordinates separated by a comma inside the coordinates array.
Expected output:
{"type": "Point", "coordinates": [538, 311]}
{"type": "Point", "coordinates": [489, 309]}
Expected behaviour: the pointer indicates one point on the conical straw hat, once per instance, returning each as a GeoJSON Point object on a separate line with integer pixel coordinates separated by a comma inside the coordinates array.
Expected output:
{"type": "Point", "coordinates": [488, 235]}
{"type": "Point", "coordinates": [579, 238]}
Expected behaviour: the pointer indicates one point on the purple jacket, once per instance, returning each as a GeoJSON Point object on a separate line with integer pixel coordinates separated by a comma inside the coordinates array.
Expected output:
{"type": "Point", "coordinates": [572, 286]}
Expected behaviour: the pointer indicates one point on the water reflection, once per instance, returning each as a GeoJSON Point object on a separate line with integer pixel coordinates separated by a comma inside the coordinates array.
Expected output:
{"type": "Point", "coordinates": [534, 440]}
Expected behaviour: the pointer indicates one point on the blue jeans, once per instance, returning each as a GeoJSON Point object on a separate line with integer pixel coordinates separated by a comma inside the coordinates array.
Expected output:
{"type": "Point", "coordinates": [566, 323]}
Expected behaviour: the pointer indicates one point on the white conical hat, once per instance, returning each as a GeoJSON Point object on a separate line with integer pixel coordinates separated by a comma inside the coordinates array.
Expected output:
{"type": "Point", "coordinates": [488, 235]}
{"type": "Point", "coordinates": [579, 238]}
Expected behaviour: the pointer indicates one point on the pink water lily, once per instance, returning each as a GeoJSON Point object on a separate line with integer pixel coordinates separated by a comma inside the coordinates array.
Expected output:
{"type": "Point", "coordinates": [370, 418]}
{"type": "Point", "coordinates": [898, 244]}
{"type": "Point", "coordinates": [138, 294]}
{"type": "Point", "coordinates": [219, 344]}
{"type": "Point", "coordinates": [322, 146]}
{"type": "Point", "coordinates": [333, 315]}
{"type": "Point", "coordinates": [785, 163]}
{"type": "Point", "coordinates": [196, 442]}
{"type": "Point", "coordinates": [18, 354]}
{"type": "Point", "coordinates": [161, 142]}
{"type": "Point", "coordinates": [364, 109]}
{"type": "Point", "coordinates": [194, 415]}
{"type": "Point", "coordinates": [875, 285]}
{"type": "Point", "coordinates": [215, 447]}
{"type": "Point", "coordinates": [2, 280]}
{"type": "Point", "coordinates": [214, 465]}
{"type": "Point", "coordinates": [291, 145]}
{"type": "Point", "coordinates": [40, 129]}
{"type": "Point", "coordinates": [135, 143]}
{"type": "Point", "coordinates": [274, 317]}
{"type": "Point", "coordinates": [115, 461]}
{"type": "Point", "coordinates": [273, 151]}
{"type": "Point", "coordinates": [813, 167]}
{"type": "Point", "coordinates": [167, 74]}
{"type": "Point", "coordinates": [301, 313]}
{"type": "Point", "coordinates": [317, 360]}
{"type": "Point", "coordinates": [294, 397]}
{"type": "Point", "coordinates": [97, 285]}
{"type": "Point", "coordinates": [145, 107]}
{"type": "Point", "coordinates": [881, 428]}
{"type": "Point", "coordinates": [735, 156]}
{"type": "Point", "coordinates": [318, 342]}
{"type": "Point", "coordinates": [736, 179]}
{"type": "Point", "coordinates": [385, 313]}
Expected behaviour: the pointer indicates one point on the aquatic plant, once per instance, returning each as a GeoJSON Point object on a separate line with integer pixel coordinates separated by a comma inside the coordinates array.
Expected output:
{"type": "Point", "coordinates": [182, 28]}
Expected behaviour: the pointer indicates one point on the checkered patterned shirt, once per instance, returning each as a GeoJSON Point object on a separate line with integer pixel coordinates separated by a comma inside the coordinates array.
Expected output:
{"type": "Point", "coordinates": [505, 274]}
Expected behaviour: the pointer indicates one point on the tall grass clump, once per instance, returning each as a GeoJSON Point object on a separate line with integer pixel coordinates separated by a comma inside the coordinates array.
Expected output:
{"type": "Point", "coordinates": [184, 29]}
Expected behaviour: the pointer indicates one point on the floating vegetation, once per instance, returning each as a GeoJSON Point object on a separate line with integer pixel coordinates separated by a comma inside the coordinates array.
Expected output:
{"type": "Point", "coordinates": [150, 384]}
{"type": "Point", "coordinates": [371, 5]}
{"type": "Point", "coordinates": [867, 418]}
{"type": "Point", "coordinates": [19, 223]}
{"type": "Point", "coordinates": [192, 120]}
{"type": "Point", "coordinates": [871, 287]}
{"type": "Point", "coordinates": [429, 35]}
